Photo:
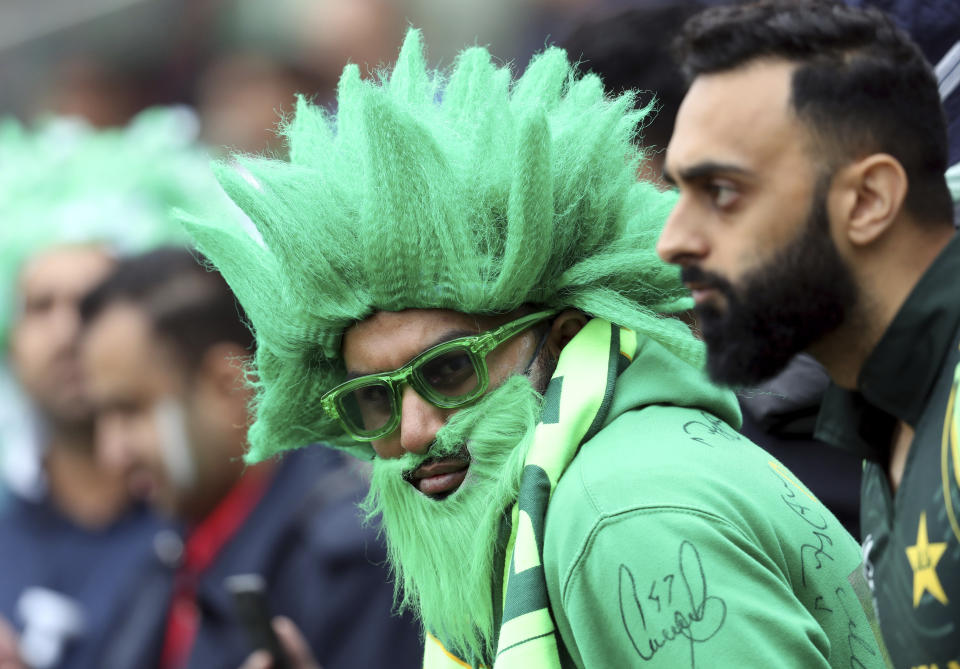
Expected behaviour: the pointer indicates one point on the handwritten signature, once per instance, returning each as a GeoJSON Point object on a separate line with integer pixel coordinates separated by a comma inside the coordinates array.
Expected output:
{"type": "Point", "coordinates": [710, 426]}
{"type": "Point", "coordinates": [696, 616]}
{"type": "Point", "coordinates": [819, 549]}
{"type": "Point", "coordinates": [854, 639]}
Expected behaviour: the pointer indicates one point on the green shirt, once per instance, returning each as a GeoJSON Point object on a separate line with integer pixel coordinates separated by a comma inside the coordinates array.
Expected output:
{"type": "Point", "coordinates": [911, 541]}
{"type": "Point", "coordinates": [672, 541]}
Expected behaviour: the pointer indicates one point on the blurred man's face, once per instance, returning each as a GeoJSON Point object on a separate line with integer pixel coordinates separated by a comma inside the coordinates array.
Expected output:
{"type": "Point", "coordinates": [751, 229]}
{"type": "Point", "coordinates": [145, 423]}
{"type": "Point", "coordinates": [44, 337]}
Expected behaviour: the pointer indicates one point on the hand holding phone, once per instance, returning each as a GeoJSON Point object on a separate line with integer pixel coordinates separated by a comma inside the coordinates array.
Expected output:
{"type": "Point", "coordinates": [296, 647]}
{"type": "Point", "coordinates": [250, 602]}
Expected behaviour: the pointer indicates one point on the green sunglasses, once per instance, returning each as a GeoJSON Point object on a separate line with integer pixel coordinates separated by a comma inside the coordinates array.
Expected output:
{"type": "Point", "coordinates": [448, 375]}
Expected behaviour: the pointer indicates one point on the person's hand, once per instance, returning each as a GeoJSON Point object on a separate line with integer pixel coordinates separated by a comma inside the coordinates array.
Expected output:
{"type": "Point", "coordinates": [293, 644]}
{"type": "Point", "coordinates": [9, 647]}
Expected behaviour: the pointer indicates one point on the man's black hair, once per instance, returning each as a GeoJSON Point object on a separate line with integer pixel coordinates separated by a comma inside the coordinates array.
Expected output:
{"type": "Point", "coordinates": [861, 86]}
{"type": "Point", "coordinates": [630, 50]}
{"type": "Point", "coordinates": [189, 305]}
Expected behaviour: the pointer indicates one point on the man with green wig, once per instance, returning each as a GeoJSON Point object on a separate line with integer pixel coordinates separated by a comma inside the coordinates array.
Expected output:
{"type": "Point", "coordinates": [455, 277]}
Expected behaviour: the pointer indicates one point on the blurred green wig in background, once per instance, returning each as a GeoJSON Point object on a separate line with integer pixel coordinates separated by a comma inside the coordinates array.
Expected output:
{"type": "Point", "coordinates": [66, 183]}
{"type": "Point", "coordinates": [468, 190]}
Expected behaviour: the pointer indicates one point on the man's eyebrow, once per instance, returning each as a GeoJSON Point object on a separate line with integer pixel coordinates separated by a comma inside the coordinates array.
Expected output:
{"type": "Point", "coordinates": [705, 169]}
{"type": "Point", "coordinates": [449, 335]}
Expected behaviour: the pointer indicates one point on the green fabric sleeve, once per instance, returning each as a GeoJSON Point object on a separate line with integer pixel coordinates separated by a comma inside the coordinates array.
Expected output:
{"type": "Point", "coordinates": [691, 592]}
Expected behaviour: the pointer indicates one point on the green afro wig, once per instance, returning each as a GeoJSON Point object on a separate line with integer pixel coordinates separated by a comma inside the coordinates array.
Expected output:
{"type": "Point", "coordinates": [469, 190]}
{"type": "Point", "coordinates": [66, 183]}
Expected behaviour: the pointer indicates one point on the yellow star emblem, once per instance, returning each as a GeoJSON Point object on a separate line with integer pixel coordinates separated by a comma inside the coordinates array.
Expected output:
{"type": "Point", "coordinates": [923, 558]}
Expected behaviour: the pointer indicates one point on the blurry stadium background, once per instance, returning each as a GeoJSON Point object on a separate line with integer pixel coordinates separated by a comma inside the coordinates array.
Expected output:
{"type": "Point", "coordinates": [239, 62]}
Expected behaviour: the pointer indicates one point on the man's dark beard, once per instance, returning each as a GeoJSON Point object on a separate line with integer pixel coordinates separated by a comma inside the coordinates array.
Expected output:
{"type": "Point", "coordinates": [802, 293]}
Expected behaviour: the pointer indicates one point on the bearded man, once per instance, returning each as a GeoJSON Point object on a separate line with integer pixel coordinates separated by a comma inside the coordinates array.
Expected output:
{"type": "Point", "coordinates": [814, 216]}
{"type": "Point", "coordinates": [455, 276]}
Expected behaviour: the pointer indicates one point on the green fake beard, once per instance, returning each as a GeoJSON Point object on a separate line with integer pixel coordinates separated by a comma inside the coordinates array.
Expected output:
{"type": "Point", "coordinates": [442, 551]}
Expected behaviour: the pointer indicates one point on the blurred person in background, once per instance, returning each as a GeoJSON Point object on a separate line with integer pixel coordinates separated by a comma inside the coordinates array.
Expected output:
{"type": "Point", "coordinates": [814, 216]}
{"type": "Point", "coordinates": [268, 52]}
{"type": "Point", "coordinates": [238, 62]}
{"type": "Point", "coordinates": [71, 200]}
{"type": "Point", "coordinates": [935, 27]}
{"type": "Point", "coordinates": [455, 277]}
{"type": "Point", "coordinates": [165, 347]}
{"type": "Point", "coordinates": [240, 98]}
{"type": "Point", "coordinates": [631, 49]}
{"type": "Point", "coordinates": [95, 90]}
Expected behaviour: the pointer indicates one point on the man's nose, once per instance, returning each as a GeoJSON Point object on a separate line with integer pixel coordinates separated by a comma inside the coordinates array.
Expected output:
{"type": "Point", "coordinates": [111, 443]}
{"type": "Point", "coordinates": [64, 323]}
{"type": "Point", "coordinates": [419, 422]}
{"type": "Point", "coordinates": [682, 240]}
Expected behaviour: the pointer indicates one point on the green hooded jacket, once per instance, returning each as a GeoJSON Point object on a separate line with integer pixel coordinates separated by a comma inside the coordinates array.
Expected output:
{"type": "Point", "coordinates": [673, 541]}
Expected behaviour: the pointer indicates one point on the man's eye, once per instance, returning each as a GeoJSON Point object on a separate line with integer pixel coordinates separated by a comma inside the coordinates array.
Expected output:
{"type": "Point", "coordinates": [449, 372]}
{"type": "Point", "coordinates": [37, 305]}
{"type": "Point", "coordinates": [448, 367]}
{"type": "Point", "coordinates": [372, 395]}
{"type": "Point", "coordinates": [722, 195]}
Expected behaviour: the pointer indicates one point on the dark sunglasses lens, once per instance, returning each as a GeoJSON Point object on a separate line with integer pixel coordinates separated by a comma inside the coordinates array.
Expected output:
{"type": "Point", "coordinates": [367, 408]}
{"type": "Point", "coordinates": [451, 374]}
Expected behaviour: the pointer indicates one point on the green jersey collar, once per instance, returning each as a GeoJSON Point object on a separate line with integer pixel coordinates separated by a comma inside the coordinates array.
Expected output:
{"type": "Point", "coordinates": [899, 374]}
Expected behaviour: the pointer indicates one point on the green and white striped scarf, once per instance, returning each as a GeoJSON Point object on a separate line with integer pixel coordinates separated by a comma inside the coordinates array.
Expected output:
{"type": "Point", "coordinates": [575, 406]}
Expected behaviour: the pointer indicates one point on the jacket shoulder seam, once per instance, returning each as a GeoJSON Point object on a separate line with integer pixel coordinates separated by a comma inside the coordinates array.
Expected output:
{"type": "Point", "coordinates": [604, 519]}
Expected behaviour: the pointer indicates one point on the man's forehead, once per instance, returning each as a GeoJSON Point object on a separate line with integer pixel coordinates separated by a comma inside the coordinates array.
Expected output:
{"type": "Point", "coordinates": [387, 339]}
{"type": "Point", "coordinates": [120, 348]}
{"type": "Point", "coordinates": [121, 327]}
{"type": "Point", "coordinates": [412, 324]}
{"type": "Point", "coordinates": [741, 116]}
{"type": "Point", "coordinates": [75, 268]}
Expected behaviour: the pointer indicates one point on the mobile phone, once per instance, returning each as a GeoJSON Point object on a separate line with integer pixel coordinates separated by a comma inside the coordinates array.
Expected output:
{"type": "Point", "coordinates": [250, 603]}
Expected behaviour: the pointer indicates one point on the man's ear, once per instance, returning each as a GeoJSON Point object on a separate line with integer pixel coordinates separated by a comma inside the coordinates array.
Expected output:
{"type": "Point", "coordinates": [565, 327]}
{"type": "Point", "coordinates": [221, 379]}
{"type": "Point", "coordinates": [867, 197]}
{"type": "Point", "coordinates": [222, 368]}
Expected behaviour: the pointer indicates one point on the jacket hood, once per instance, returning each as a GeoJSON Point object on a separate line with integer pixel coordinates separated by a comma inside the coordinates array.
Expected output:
{"type": "Point", "coordinates": [656, 376]}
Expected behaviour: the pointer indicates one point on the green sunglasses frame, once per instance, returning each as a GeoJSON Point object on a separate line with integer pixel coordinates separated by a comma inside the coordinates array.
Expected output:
{"type": "Point", "coordinates": [476, 346]}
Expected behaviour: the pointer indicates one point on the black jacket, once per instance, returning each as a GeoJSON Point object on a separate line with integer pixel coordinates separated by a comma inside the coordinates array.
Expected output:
{"type": "Point", "coordinates": [323, 569]}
